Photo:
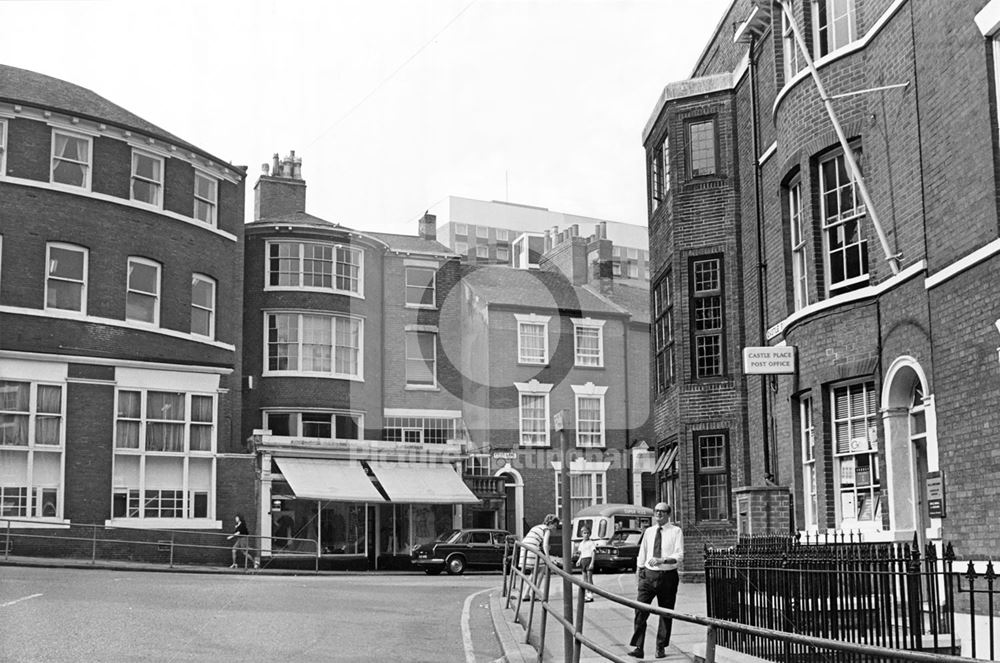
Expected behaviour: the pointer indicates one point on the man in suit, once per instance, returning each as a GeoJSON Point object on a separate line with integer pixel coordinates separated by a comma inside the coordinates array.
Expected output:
{"type": "Point", "coordinates": [660, 553]}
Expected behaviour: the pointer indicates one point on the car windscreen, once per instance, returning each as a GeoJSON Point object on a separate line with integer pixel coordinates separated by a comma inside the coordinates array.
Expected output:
{"type": "Point", "coordinates": [631, 538]}
{"type": "Point", "coordinates": [450, 536]}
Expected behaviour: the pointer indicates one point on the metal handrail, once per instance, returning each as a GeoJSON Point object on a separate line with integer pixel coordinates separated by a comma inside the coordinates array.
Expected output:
{"type": "Point", "coordinates": [512, 573]}
{"type": "Point", "coordinates": [28, 533]}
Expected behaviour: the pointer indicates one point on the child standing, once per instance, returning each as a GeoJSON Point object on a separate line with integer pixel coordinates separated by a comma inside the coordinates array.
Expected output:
{"type": "Point", "coordinates": [586, 562]}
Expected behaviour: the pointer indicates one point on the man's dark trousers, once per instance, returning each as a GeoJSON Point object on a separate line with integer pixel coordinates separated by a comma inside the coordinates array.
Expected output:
{"type": "Point", "coordinates": [662, 585]}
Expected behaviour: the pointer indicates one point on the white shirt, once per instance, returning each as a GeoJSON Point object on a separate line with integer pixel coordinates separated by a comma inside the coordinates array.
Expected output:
{"type": "Point", "coordinates": [671, 545]}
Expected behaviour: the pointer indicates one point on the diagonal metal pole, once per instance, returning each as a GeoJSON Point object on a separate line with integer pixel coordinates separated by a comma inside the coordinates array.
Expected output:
{"type": "Point", "coordinates": [891, 257]}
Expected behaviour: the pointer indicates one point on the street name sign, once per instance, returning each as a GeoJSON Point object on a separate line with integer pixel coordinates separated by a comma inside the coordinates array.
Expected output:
{"type": "Point", "coordinates": [768, 360]}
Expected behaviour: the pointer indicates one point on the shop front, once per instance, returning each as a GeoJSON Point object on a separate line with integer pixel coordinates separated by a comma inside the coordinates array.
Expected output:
{"type": "Point", "coordinates": [355, 504]}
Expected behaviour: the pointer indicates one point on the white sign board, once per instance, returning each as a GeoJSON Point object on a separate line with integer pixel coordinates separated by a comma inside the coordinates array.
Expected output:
{"type": "Point", "coordinates": [769, 360]}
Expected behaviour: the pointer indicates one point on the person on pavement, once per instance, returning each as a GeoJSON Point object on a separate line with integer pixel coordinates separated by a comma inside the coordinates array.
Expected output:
{"type": "Point", "coordinates": [586, 550]}
{"type": "Point", "coordinates": [242, 536]}
{"type": "Point", "coordinates": [660, 553]}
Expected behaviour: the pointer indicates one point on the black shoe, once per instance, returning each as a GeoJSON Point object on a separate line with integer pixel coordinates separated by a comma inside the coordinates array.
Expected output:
{"type": "Point", "coordinates": [661, 652]}
{"type": "Point", "coordinates": [638, 653]}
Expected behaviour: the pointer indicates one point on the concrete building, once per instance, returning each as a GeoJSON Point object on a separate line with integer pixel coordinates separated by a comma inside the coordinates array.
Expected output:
{"type": "Point", "coordinates": [120, 287]}
{"type": "Point", "coordinates": [496, 232]}
{"type": "Point", "coordinates": [824, 186]}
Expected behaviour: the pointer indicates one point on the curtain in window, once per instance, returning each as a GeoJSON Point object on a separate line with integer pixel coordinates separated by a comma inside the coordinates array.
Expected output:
{"type": "Point", "coordinates": [127, 432]}
{"type": "Point", "coordinates": [162, 436]}
{"type": "Point", "coordinates": [69, 149]}
{"type": "Point", "coordinates": [49, 402]}
{"type": "Point", "coordinates": [348, 344]}
{"type": "Point", "coordinates": [316, 343]}
{"type": "Point", "coordinates": [201, 423]}
{"type": "Point", "coordinates": [533, 342]}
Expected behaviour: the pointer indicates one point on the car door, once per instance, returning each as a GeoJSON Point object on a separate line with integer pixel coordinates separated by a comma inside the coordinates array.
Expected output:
{"type": "Point", "coordinates": [479, 548]}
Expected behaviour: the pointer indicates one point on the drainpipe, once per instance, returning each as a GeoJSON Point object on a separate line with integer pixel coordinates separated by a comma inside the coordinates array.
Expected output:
{"type": "Point", "coordinates": [892, 258]}
{"type": "Point", "coordinates": [761, 258]}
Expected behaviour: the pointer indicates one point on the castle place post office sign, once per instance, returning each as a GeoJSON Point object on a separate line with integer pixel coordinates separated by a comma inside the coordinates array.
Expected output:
{"type": "Point", "coordinates": [769, 360]}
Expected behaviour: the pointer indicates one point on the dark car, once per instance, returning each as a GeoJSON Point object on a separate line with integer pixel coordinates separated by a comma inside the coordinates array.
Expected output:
{"type": "Point", "coordinates": [620, 552]}
{"type": "Point", "coordinates": [462, 549]}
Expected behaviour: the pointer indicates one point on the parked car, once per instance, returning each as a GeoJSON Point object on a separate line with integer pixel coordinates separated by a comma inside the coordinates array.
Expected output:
{"type": "Point", "coordinates": [462, 549]}
{"type": "Point", "coordinates": [620, 552]}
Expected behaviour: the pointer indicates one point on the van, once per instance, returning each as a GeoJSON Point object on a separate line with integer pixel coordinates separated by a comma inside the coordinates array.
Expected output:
{"type": "Point", "coordinates": [605, 519]}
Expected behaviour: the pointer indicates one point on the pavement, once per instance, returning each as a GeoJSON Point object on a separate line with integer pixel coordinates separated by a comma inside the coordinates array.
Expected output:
{"type": "Point", "coordinates": [607, 623]}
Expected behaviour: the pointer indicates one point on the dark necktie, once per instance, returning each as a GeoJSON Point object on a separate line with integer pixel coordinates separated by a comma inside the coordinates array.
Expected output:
{"type": "Point", "coordinates": [657, 542]}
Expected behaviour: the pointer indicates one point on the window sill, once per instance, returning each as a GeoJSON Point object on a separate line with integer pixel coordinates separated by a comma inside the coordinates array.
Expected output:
{"type": "Point", "coordinates": [321, 376]}
{"type": "Point", "coordinates": [423, 307]}
{"type": "Point", "coordinates": [597, 366]}
{"type": "Point", "coordinates": [33, 523]}
{"type": "Point", "coordinates": [421, 387]}
{"type": "Point", "coordinates": [164, 523]}
{"type": "Point", "coordinates": [521, 362]}
{"type": "Point", "coordinates": [325, 291]}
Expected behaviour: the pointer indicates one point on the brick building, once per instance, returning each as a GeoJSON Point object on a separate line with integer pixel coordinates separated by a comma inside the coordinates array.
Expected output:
{"type": "Point", "coordinates": [120, 286]}
{"type": "Point", "coordinates": [857, 227]}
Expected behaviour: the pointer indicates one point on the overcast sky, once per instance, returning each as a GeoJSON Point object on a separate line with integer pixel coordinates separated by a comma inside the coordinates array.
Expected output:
{"type": "Point", "coordinates": [393, 105]}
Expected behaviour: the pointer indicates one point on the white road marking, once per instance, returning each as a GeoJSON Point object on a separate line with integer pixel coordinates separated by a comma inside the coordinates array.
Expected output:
{"type": "Point", "coordinates": [23, 598]}
{"type": "Point", "coordinates": [470, 654]}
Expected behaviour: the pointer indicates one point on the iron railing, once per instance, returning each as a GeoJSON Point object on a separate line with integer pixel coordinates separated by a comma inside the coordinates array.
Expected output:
{"type": "Point", "coordinates": [883, 594]}
{"type": "Point", "coordinates": [526, 589]}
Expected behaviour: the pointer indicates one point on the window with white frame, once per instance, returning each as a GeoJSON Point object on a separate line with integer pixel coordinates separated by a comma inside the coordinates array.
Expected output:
{"type": "Point", "coordinates": [420, 286]}
{"type": "Point", "coordinates": [533, 413]}
{"type": "Point", "coordinates": [483, 232]}
{"type": "Point", "coordinates": [590, 422]}
{"type": "Point", "coordinates": [461, 229]}
{"type": "Point", "coordinates": [588, 341]}
{"type": "Point", "coordinates": [66, 277]}
{"type": "Point", "coordinates": [477, 465]}
{"type": "Point", "coordinates": [314, 344]}
{"type": "Point", "coordinates": [655, 181]}
{"type": "Point", "coordinates": [206, 197]}
{"type": "Point", "coordinates": [586, 488]}
{"type": "Point", "coordinates": [461, 248]}
{"type": "Point", "coordinates": [712, 475]}
{"type": "Point", "coordinates": [663, 332]}
{"type": "Point", "coordinates": [3, 147]}
{"type": "Point", "coordinates": [843, 213]}
{"type": "Point", "coordinates": [315, 266]}
{"type": "Point", "coordinates": [142, 296]}
{"type": "Point", "coordinates": [203, 305]}
{"type": "Point", "coordinates": [329, 424]}
{"type": "Point", "coordinates": [797, 237]}
{"type": "Point", "coordinates": [633, 270]}
{"type": "Point", "coordinates": [421, 358]}
{"type": "Point", "coordinates": [147, 178]}
{"type": "Point", "coordinates": [701, 148]}
{"type": "Point", "coordinates": [71, 159]}
{"type": "Point", "coordinates": [855, 435]}
{"type": "Point", "coordinates": [708, 319]}
{"type": "Point", "coordinates": [807, 439]}
{"type": "Point", "coordinates": [164, 461]}
{"type": "Point", "coordinates": [427, 429]}
{"type": "Point", "coordinates": [503, 254]}
{"type": "Point", "coordinates": [501, 234]}
{"type": "Point", "coordinates": [789, 49]}
{"type": "Point", "coordinates": [631, 253]}
{"type": "Point", "coordinates": [532, 338]}
{"type": "Point", "coordinates": [32, 440]}
{"type": "Point", "coordinates": [482, 251]}
{"type": "Point", "coordinates": [834, 25]}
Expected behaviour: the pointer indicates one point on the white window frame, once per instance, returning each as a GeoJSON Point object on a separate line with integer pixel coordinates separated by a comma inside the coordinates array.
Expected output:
{"type": "Point", "coordinates": [501, 234]}
{"type": "Point", "coordinates": [332, 373]}
{"type": "Point", "coordinates": [82, 281]}
{"type": "Point", "coordinates": [209, 310]}
{"type": "Point", "coordinates": [155, 322]}
{"type": "Point", "coordinates": [482, 251]}
{"type": "Point", "coordinates": [836, 39]}
{"type": "Point", "coordinates": [588, 360]}
{"type": "Point", "coordinates": [835, 224]}
{"type": "Point", "coordinates": [483, 232]}
{"type": "Point", "coordinates": [807, 440]}
{"type": "Point", "coordinates": [590, 439]}
{"type": "Point", "coordinates": [461, 248]}
{"type": "Point", "coordinates": [88, 164]}
{"type": "Point", "coordinates": [415, 335]}
{"type": "Point", "coordinates": [533, 389]}
{"type": "Point", "coordinates": [210, 204]}
{"type": "Point", "coordinates": [598, 479]}
{"type": "Point", "coordinates": [461, 229]}
{"type": "Point", "coordinates": [409, 288]}
{"type": "Point", "coordinates": [704, 149]}
{"type": "Point", "coordinates": [137, 498]}
{"type": "Point", "coordinates": [157, 185]}
{"type": "Point", "coordinates": [34, 488]}
{"type": "Point", "coordinates": [655, 180]}
{"type": "Point", "coordinates": [300, 259]}
{"type": "Point", "coordinates": [789, 49]}
{"type": "Point", "coordinates": [797, 238]}
{"type": "Point", "coordinates": [532, 320]}
{"type": "Point", "coordinates": [3, 147]}
{"type": "Point", "coordinates": [847, 455]}
{"type": "Point", "coordinates": [503, 254]}
{"type": "Point", "coordinates": [296, 417]}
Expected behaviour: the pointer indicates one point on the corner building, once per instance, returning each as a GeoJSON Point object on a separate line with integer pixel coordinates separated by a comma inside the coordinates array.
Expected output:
{"type": "Point", "coordinates": [120, 284]}
{"type": "Point", "coordinates": [863, 233]}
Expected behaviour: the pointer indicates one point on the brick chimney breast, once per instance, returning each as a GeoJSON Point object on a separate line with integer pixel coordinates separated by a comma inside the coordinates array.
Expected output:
{"type": "Point", "coordinates": [427, 226]}
{"type": "Point", "coordinates": [281, 192]}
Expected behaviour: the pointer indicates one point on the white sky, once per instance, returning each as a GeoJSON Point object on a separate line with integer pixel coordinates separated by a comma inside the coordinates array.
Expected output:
{"type": "Point", "coordinates": [393, 105]}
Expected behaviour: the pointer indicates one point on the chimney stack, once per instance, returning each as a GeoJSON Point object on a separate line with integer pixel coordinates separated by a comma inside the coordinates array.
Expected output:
{"type": "Point", "coordinates": [282, 190]}
{"type": "Point", "coordinates": [427, 226]}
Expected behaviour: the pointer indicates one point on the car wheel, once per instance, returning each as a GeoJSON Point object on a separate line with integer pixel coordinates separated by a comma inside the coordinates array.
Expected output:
{"type": "Point", "coordinates": [433, 570]}
{"type": "Point", "coordinates": [456, 565]}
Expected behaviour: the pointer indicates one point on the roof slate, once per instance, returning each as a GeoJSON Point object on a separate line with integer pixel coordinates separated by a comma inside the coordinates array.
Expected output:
{"type": "Point", "coordinates": [500, 285]}
{"type": "Point", "coordinates": [629, 297]}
